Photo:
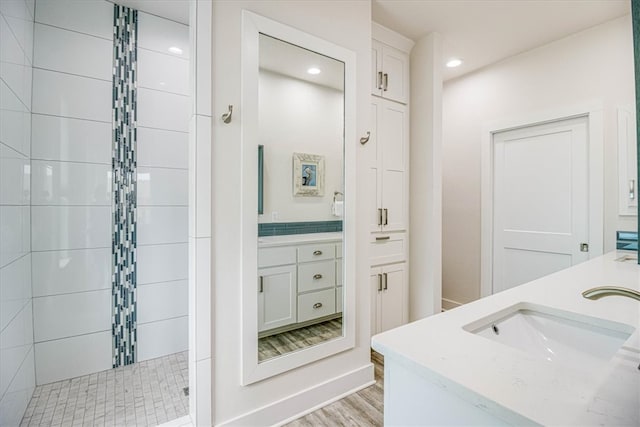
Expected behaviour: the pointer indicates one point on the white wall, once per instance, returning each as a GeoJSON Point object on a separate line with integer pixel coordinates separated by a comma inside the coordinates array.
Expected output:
{"type": "Point", "coordinates": [312, 130]}
{"type": "Point", "coordinates": [346, 23]}
{"type": "Point", "coordinates": [17, 377]}
{"type": "Point", "coordinates": [593, 65]}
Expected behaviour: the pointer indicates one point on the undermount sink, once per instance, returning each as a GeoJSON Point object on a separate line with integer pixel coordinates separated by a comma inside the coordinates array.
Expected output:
{"type": "Point", "coordinates": [554, 335]}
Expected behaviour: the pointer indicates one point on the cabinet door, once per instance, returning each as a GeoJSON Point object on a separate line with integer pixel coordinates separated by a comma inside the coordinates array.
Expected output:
{"type": "Point", "coordinates": [628, 192]}
{"type": "Point", "coordinates": [374, 160]}
{"type": "Point", "coordinates": [276, 297]}
{"type": "Point", "coordinates": [376, 68]}
{"type": "Point", "coordinates": [394, 299]}
{"type": "Point", "coordinates": [395, 68]}
{"type": "Point", "coordinates": [393, 141]}
{"type": "Point", "coordinates": [375, 280]}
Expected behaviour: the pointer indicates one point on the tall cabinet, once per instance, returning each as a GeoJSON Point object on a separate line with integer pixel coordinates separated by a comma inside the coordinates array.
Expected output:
{"type": "Point", "coordinates": [387, 155]}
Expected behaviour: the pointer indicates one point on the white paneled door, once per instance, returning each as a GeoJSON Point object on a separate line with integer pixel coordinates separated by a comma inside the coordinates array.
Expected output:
{"type": "Point", "coordinates": [541, 200]}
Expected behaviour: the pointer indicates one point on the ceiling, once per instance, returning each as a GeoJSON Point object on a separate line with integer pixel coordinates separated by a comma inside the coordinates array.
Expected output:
{"type": "Point", "coordinates": [482, 32]}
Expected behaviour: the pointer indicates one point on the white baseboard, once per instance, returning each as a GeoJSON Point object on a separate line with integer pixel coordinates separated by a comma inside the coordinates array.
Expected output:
{"type": "Point", "coordinates": [308, 400]}
{"type": "Point", "coordinates": [448, 304]}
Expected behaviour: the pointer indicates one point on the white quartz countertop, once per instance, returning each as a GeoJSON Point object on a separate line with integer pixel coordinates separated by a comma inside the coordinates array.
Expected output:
{"type": "Point", "coordinates": [522, 388]}
{"type": "Point", "coordinates": [293, 239]}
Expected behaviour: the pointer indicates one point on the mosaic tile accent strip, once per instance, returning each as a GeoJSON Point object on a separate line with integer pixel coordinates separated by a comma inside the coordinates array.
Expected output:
{"type": "Point", "coordinates": [124, 204]}
{"type": "Point", "coordinates": [627, 240]}
{"type": "Point", "coordinates": [284, 228]}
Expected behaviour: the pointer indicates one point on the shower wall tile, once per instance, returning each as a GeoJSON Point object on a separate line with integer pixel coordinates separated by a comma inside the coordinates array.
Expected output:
{"type": "Point", "coordinates": [15, 289]}
{"type": "Point", "coordinates": [89, 17]}
{"type": "Point", "coordinates": [63, 316]}
{"type": "Point", "coordinates": [15, 223]}
{"type": "Point", "coordinates": [71, 227]}
{"type": "Point", "coordinates": [58, 359]}
{"type": "Point", "coordinates": [162, 263]}
{"type": "Point", "coordinates": [66, 95]}
{"type": "Point", "coordinates": [16, 340]}
{"type": "Point", "coordinates": [70, 184]}
{"type": "Point", "coordinates": [162, 187]}
{"type": "Point", "coordinates": [162, 224]}
{"type": "Point", "coordinates": [162, 148]}
{"type": "Point", "coordinates": [160, 301]}
{"type": "Point", "coordinates": [15, 128]}
{"type": "Point", "coordinates": [64, 272]}
{"type": "Point", "coordinates": [158, 34]}
{"type": "Point", "coordinates": [157, 339]}
{"type": "Point", "coordinates": [74, 140]}
{"type": "Point", "coordinates": [162, 71]}
{"type": "Point", "coordinates": [22, 28]}
{"type": "Point", "coordinates": [15, 400]}
{"type": "Point", "coordinates": [163, 110]}
{"type": "Point", "coordinates": [15, 178]}
{"type": "Point", "coordinates": [95, 60]}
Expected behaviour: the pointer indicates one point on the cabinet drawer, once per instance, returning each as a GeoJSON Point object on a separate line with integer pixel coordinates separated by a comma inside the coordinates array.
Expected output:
{"type": "Point", "coordinates": [388, 248]}
{"type": "Point", "coordinates": [268, 257]}
{"type": "Point", "coordinates": [317, 252]}
{"type": "Point", "coordinates": [316, 275]}
{"type": "Point", "coordinates": [339, 298]}
{"type": "Point", "coordinates": [339, 250]}
{"type": "Point", "coordinates": [316, 304]}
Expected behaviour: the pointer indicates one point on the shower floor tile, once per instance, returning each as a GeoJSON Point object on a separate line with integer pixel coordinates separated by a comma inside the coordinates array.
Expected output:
{"type": "Point", "coordinates": [147, 393]}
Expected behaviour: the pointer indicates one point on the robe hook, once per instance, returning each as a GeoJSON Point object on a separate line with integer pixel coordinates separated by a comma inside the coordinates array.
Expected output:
{"type": "Point", "coordinates": [365, 139]}
{"type": "Point", "coordinates": [226, 117]}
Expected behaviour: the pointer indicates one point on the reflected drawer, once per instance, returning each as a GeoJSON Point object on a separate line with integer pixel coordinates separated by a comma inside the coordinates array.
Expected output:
{"type": "Point", "coordinates": [316, 304]}
{"type": "Point", "coordinates": [268, 257]}
{"type": "Point", "coordinates": [316, 275]}
{"type": "Point", "coordinates": [339, 250]}
{"type": "Point", "coordinates": [339, 299]}
{"type": "Point", "coordinates": [316, 252]}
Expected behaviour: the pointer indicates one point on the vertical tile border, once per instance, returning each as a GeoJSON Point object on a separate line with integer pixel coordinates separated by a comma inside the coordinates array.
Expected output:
{"type": "Point", "coordinates": [124, 203]}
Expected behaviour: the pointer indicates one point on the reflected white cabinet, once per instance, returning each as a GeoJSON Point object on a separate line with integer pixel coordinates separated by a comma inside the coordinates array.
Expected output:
{"type": "Point", "coordinates": [390, 72]}
{"type": "Point", "coordinates": [627, 162]}
{"type": "Point", "coordinates": [387, 156]}
{"type": "Point", "coordinates": [277, 304]}
{"type": "Point", "coordinates": [390, 298]}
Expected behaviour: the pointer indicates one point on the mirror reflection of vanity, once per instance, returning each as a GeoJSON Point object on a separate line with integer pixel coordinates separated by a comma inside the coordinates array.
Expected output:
{"type": "Point", "coordinates": [298, 296]}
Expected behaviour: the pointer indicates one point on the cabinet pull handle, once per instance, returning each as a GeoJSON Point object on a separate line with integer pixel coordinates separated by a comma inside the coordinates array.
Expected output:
{"type": "Point", "coordinates": [379, 79]}
{"type": "Point", "coordinates": [386, 216]}
{"type": "Point", "coordinates": [379, 216]}
{"type": "Point", "coordinates": [317, 305]}
{"type": "Point", "coordinates": [632, 189]}
{"type": "Point", "coordinates": [383, 238]}
{"type": "Point", "coordinates": [386, 81]}
{"type": "Point", "coordinates": [379, 282]}
{"type": "Point", "coordinates": [317, 252]}
{"type": "Point", "coordinates": [317, 276]}
{"type": "Point", "coordinates": [385, 281]}
{"type": "Point", "coordinates": [261, 284]}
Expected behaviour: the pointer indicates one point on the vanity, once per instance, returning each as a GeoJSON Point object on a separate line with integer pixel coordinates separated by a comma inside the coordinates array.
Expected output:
{"type": "Point", "coordinates": [537, 354]}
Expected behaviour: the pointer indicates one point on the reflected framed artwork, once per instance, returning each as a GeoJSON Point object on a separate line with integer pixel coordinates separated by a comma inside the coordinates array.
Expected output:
{"type": "Point", "coordinates": [308, 175]}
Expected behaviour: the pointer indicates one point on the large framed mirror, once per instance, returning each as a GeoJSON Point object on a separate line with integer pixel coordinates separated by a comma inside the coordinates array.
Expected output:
{"type": "Point", "coordinates": [298, 160]}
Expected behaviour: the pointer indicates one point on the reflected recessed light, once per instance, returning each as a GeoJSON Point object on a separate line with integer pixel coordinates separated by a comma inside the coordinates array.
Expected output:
{"type": "Point", "coordinates": [454, 62]}
{"type": "Point", "coordinates": [176, 50]}
{"type": "Point", "coordinates": [313, 70]}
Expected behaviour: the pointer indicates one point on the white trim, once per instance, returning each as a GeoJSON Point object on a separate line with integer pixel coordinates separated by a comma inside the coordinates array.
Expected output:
{"type": "Point", "coordinates": [252, 26]}
{"type": "Point", "coordinates": [324, 394]}
{"type": "Point", "coordinates": [594, 112]}
{"type": "Point", "coordinates": [391, 38]}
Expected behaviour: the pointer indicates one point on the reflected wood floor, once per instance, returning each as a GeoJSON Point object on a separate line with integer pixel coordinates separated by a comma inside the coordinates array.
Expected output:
{"type": "Point", "coordinates": [278, 344]}
{"type": "Point", "coordinates": [361, 409]}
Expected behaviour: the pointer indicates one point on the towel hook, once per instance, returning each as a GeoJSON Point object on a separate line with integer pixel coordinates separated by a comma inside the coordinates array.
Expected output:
{"type": "Point", "coordinates": [226, 117]}
{"type": "Point", "coordinates": [365, 139]}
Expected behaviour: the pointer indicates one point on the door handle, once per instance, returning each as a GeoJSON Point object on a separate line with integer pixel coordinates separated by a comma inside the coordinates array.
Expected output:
{"type": "Point", "coordinates": [317, 252]}
{"type": "Point", "coordinates": [383, 238]}
{"type": "Point", "coordinates": [379, 216]}
{"type": "Point", "coordinates": [261, 284]}
{"type": "Point", "coordinates": [379, 79]}
{"type": "Point", "coordinates": [317, 276]}
{"type": "Point", "coordinates": [632, 189]}
{"type": "Point", "coordinates": [386, 81]}
{"type": "Point", "coordinates": [385, 281]}
{"type": "Point", "coordinates": [386, 216]}
{"type": "Point", "coordinates": [379, 282]}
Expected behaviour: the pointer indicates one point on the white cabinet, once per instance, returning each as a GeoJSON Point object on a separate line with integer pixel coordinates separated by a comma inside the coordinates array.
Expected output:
{"type": "Point", "coordinates": [627, 162]}
{"type": "Point", "coordinates": [387, 156]}
{"type": "Point", "coordinates": [390, 72]}
{"type": "Point", "coordinates": [389, 297]}
{"type": "Point", "coordinates": [277, 297]}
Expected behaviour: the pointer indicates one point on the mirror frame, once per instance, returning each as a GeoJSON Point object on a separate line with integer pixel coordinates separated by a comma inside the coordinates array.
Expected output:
{"type": "Point", "coordinates": [252, 371]}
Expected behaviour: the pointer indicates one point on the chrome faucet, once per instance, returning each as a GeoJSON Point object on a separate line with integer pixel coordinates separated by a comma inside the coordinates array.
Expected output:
{"type": "Point", "coordinates": [605, 291]}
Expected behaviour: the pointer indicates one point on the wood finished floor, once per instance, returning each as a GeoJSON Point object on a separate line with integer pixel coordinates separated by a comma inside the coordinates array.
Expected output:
{"type": "Point", "coordinates": [276, 345]}
{"type": "Point", "coordinates": [361, 409]}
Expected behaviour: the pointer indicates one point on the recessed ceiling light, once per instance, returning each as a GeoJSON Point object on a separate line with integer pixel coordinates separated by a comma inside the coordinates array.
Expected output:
{"type": "Point", "coordinates": [176, 50]}
{"type": "Point", "coordinates": [313, 70]}
{"type": "Point", "coordinates": [454, 62]}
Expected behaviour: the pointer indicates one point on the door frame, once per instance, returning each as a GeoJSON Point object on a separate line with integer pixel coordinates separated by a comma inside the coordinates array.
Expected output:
{"type": "Point", "coordinates": [594, 113]}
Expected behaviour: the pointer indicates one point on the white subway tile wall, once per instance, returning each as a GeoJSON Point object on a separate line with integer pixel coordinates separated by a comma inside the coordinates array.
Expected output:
{"type": "Point", "coordinates": [17, 375]}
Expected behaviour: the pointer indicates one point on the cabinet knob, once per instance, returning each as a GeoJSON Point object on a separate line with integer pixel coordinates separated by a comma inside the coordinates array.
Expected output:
{"type": "Point", "coordinates": [317, 252]}
{"type": "Point", "coordinates": [317, 305]}
{"type": "Point", "coordinates": [317, 276]}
